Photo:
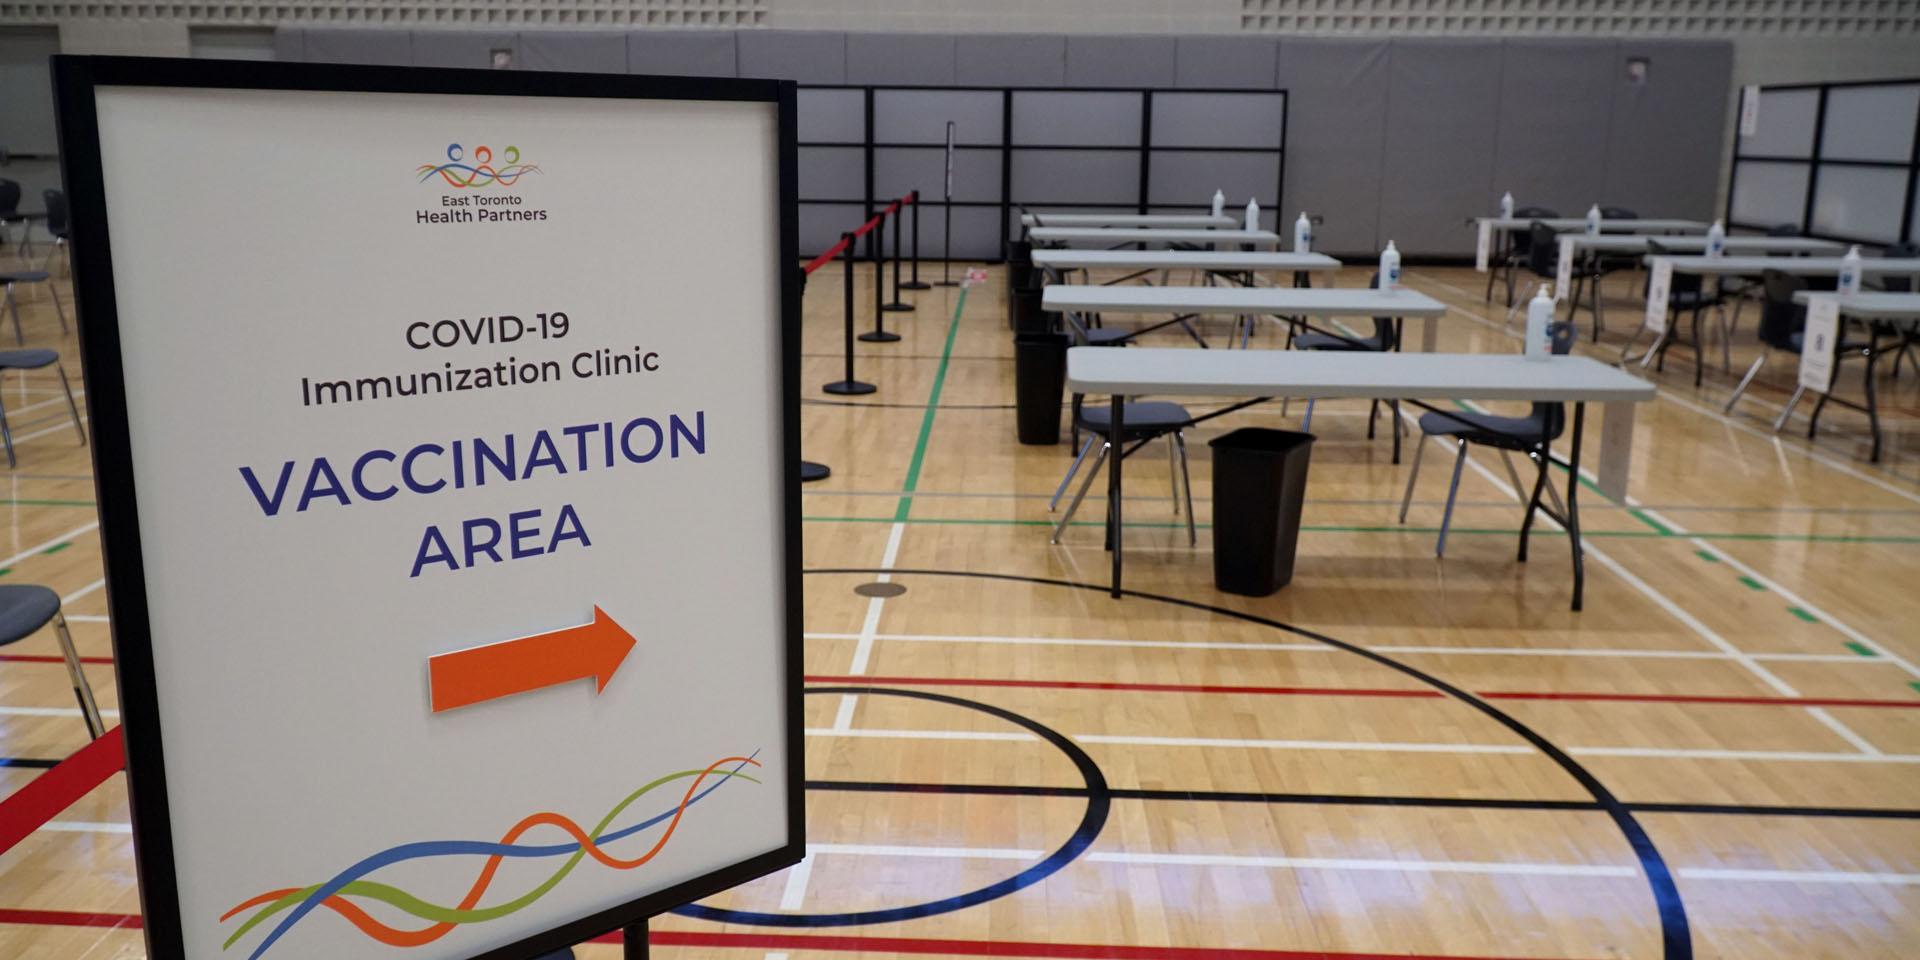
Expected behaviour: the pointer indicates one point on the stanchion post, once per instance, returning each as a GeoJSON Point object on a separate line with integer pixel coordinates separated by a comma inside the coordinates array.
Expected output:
{"type": "Point", "coordinates": [946, 242]}
{"type": "Point", "coordinates": [913, 282]}
{"type": "Point", "coordinates": [879, 333]}
{"type": "Point", "coordinates": [635, 941]}
{"type": "Point", "coordinates": [897, 306]}
{"type": "Point", "coordinates": [848, 386]}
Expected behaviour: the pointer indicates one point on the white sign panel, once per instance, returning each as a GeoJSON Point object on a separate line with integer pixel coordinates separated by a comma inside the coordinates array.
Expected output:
{"type": "Point", "coordinates": [1820, 343]}
{"type": "Point", "coordinates": [1659, 283]}
{"type": "Point", "coordinates": [1483, 245]}
{"type": "Point", "coordinates": [1564, 278]}
{"type": "Point", "coordinates": [460, 423]}
{"type": "Point", "coordinates": [1749, 110]}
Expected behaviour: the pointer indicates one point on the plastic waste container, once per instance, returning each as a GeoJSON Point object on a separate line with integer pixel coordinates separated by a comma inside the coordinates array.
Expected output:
{"type": "Point", "coordinates": [1040, 378]}
{"type": "Point", "coordinates": [1259, 482]}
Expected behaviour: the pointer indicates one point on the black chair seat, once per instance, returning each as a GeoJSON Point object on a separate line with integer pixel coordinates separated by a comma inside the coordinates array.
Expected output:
{"type": "Point", "coordinates": [1154, 417]}
{"type": "Point", "coordinates": [27, 359]}
{"type": "Point", "coordinates": [25, 608]}
{"type": "Point", "coordinates": [1691, 299]}
{"type": "Point", "coordinates": [1107, 336]}
{"type": "Point", "coordinates": [1327, 341]}
{"type": "Point", "coordinates": [1517, 433]}
{"type": "Point", "coordinates": [26, 276]}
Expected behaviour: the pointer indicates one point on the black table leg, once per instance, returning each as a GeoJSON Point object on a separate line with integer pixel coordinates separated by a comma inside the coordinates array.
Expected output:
{"type": "Point", "coordinates": [1117, 456]}
{"type": "Point", "coordinates": [1573, 506]}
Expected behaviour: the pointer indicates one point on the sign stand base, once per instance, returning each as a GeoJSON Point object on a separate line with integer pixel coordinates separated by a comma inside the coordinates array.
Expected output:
{"type": "Point", "coordinates": [810, 471]}
{"type": "Point", "coordinates": [879, 336]}
{"type": "Point", "coordinates": [636, 941]}
{"type": "Point", "coordinates": [849, 388]}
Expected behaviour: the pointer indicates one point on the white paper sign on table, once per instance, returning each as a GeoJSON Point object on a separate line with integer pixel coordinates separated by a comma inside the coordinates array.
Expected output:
{"type": "Point", "coordinates": [1483, 245]}
{"type": "Point", "coordinates": [1820, 343]}
{"type": "Point", "coordinates": [1749, 110]}
{"type": "Point", "coordinates": [1659, 282]}
{"type": "Point", "coordinates": [1564, 278]}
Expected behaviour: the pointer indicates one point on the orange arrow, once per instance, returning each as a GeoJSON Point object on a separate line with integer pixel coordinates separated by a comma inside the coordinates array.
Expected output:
{"type": "Point", "coordinates": [589, 651]}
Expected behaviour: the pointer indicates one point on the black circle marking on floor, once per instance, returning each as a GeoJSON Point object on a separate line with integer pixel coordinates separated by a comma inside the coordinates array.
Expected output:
{"type": "Point", "coordinates": [878, 589]}
{"type": "Point", "coordinates": [1675, 932]}
{"type": "Point", "coordinates": [1099, 803]}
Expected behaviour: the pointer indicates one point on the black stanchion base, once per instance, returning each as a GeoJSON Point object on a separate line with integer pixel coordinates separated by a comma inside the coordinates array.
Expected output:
{"type": "Point", "coordinates": [898, 306]}
{"type": "Point", "coordinates": [916, 285]}
{"type": "Point", "coordinates": [849, 388]}
{"type": "Point", "coordinates": [946, 283]}
{"type": "Point", "coordinates": [810, 471]}
{"type": "Point", "coordinates": [879, 336]}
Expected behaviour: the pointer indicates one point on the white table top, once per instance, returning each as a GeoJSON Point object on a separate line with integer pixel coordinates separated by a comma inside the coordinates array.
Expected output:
{"type": "Point", "coordinates": [1697, 243]}
{"type": "Point", "coordinates": [1648, 225]}
{"type": "Point", "coordinates": [1301, 373]}
{"type": "Point", "coordinates": [1800, 266]}
{"type": "Point", "coordinates": [1127, 220]}
{"type": "Point", "coordinates": [1866, 306]}
{"type": "Point", "coordinates": [1112, 235]}
{"type": "Point", "coordinates": [1285, 301]}
{"type": "Point", "coordinates": [1183, 260]}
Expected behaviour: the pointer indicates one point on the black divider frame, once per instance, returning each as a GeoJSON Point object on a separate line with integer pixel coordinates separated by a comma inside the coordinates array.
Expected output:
{"type": "Point", "coordinates": [1813, 161]}
{"type": "Point", "coordinates": [75, 80]}
{"type": "Point", "coordinates": [1006, 148]}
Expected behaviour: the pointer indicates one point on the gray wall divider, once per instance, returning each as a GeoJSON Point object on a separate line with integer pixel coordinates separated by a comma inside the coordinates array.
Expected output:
{"type": "Point", "coordinates": [1401, 139]}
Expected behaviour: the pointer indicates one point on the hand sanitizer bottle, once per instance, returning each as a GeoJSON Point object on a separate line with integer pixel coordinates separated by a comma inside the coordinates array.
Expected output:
{"type": "Point", "coordinates": [1390, 267]}
{"type": "Point", "coordinates": [1540, 325]}
{"type": "Point", "coordinates": [1253, 214]}
{"type": "Point", "coordinates": [1593, 220]}
{"type": "Point", "coordinates": [1850, 272]}
{"type": "Point", "coordinates": [1303, 234]}
{"type": "Point", "coordinates": [1506, 205]}
{"type": "Point", "coordinates": [1717, 239]}
{"type": "Point", "coordinates": [1219, 202]}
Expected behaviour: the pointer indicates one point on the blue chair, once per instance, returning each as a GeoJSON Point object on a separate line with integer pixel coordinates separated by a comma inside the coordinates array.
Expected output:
{"type": "Point", "coordinates": [58, 226]}
{"type": "Point", "coordinates": [24, 609]}
{"type": "Point", "coordinates": [1385, 339]}
{"type": "Point", "coordinates": [1532, 435]}
{"type": "Point", "coordinates": [9, 279]}
{"type": "Point", "coordinates": [35, 360]}
{"type": "Point", "coordinates": [1145, 422]}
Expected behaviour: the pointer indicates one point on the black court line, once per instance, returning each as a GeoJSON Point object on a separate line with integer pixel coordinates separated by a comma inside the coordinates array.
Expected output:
{"type": "Point", "coordinates": [35, 763]}
{"type": "Point", "coordinates": [1357, 800]}
{"type": "Point", "coordinates": [1675, 932]}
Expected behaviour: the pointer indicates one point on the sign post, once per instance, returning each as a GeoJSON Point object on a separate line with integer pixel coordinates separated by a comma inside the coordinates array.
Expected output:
{"type": "Point", "coordinates": [446, 443]}
{"type": "Point", "coordinates": [946, 216]}
{"type": "Point", "coordinates": [1819, 343]}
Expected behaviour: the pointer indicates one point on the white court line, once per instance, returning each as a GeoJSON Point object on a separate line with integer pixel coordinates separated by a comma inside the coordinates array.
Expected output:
{"type": "Point", "coordinates": [69, 535]}
{"type": "Point", "coordinates": [863, 647]}
{"type": "Point", "coordinates": [49, 712]}
{"type": "Point", "coordinates": [43, 431]}
{"type": "Point", "coordinates": [795, 892]}
{"type": "Point", "coordinates": [1366, 746]}
{"type": "Point", "coordinates": [86, 826]}
{"type": "Point", "coordinates": [86, 618]}
{"type": "Point", "coordinates": [83, 591]}
{"type": "Point", "coordinates": [1378, 648]}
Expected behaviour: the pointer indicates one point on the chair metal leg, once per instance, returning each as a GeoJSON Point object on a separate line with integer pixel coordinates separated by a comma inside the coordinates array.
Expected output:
{"type": "Point", "coordinates": [1787, 411]}
{"type": "Point", "coordinates": [59, 310]}
{"type": "Point", "coordinates": [1373, 417]}
{"type": "Point", "coordinates": [82, 690]}
{"type": "Point", "coordinates": [1506, 458]}
{"type": "Point", "coordinates": [1081, 494]}
{"type": "Point", "coordinates": [1173, 479]}
{"type": "Point", "coordinates": [1412, 475]}
{"type": "Point", "coordinates": [72, 407]}
{"type": "Point", "coordinates": [1306, 422]}
{"type": "Point", "coordinates": [1752, 371]}
{"type": "Point", "coordinates": [1186, 485]}
{"type": "Point", "coordinates": [6, 435]}
{"type": "Point", "coordinates": [1726, 340]}
{"type": "Point", "coordinates": [13, 307]}
{"type": "Point", "coordinates": [1453, 491]}
{"type": "Point", "coordinates": [1080, 457]}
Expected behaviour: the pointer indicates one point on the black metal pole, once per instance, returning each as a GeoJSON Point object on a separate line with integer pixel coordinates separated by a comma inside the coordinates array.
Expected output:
{"type": "Point", "coordinates": [914, 283]}
{"type": "Point", "coordinates": [879, 333]}
{"type": "Point", "coordinates": [946, 243]}
{"type": "Point", "coordinates": [848, 386]}
{"type": "Point", "coordinates": [897, 306]}
{"type": "Point", "coordinates": [636, 941]}
{"type": "Point", "coordinates": [809, 470]}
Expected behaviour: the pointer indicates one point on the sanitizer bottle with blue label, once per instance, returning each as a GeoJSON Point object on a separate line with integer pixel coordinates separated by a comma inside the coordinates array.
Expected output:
{"type": "Point", "coordinates": [1717, 239]}
{"type": "Point", "coordinates": [1593, 220]}
{"type": "Point", "coordinates": [1850, 272]}
{"type": "Point", "coordinates": [1506, 205]}
{"type": "Point", "coordinates": [1303, 234]}
{"type": "Point", "coordinates": [1390, 267]}
{"type": "Point", "coordinates": [1253, 214]}
{"type": "Point", "coordinates": [1219, 202]}
{"type": "Point", "coordinates": [1540, 325]}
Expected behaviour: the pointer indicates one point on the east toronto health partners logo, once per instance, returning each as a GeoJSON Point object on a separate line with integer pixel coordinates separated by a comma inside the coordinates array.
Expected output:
{"type": "Point", "coordinates": [476, 189]}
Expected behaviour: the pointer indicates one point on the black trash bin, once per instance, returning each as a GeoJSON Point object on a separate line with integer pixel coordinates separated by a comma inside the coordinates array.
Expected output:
{"type": "Point", "coordinates": [1020, 276]}
{"type": "Point", "coordinates": [1028, 316]}
{"type": "Point", "coordinates": [1040, 378]}
{"type": "Point", "coordinates": [1259, 481]}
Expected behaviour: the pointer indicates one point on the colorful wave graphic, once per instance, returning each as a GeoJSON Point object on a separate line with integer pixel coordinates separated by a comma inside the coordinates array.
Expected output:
{"type": "Point", "coordinates": [335, 894]}
{"type": "Point", "coordinates": [479, 173]}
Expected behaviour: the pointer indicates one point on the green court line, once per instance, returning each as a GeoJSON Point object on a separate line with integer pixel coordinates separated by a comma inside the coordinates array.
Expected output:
{"type": "Point", "coordinates": [1804, 615]}
{"type": "Point", "coordinates": [1861, 649]}
{"type": "Point", "coordinates": [5, 570]}
{"type": "Point", "coordinates": [1395, 528]}
{"type": "Point", "coordinates": [16, 502]}
{"type": "Point", "coordinates": [56, 548]}
{"type": "Point", "coordinates": [1915, 684]}
{"type": "Point", "coordinates": [933, 406]}
{"type": "Point", "coordinates": [1753, 584]}
{"type": "Point", "coordinates": [1706, 555]}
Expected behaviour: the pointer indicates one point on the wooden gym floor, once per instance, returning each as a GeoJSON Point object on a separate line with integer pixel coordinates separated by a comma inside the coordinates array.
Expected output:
{"type": "Point", "coordinates": [1033, 769]}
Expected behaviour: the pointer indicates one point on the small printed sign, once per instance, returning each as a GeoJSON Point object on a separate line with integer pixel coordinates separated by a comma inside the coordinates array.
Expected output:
{"type": "Point", "coordinates": [1483, 245]}
{"type": "Point", "coordinates": [1564, 279]}
{"type": "Point", "coordinates": [1749, 110]}
{"type": "Point", "coordinates": [1659, 282]}
{"type": "Point", "coordinates": [975, 276]}
{"type": "Point", "coordinates": [1820, 343]}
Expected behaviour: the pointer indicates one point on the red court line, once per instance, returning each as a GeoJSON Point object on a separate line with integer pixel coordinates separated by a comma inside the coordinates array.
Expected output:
{"type": "Point", "coordinates": [1364, 692]}
{"type": "Point", "coordinates": [47, 658]}
{"type": "Point", "coordinates": [46, 795]}
{"type": "Point", "coordinates": [68, 918]}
